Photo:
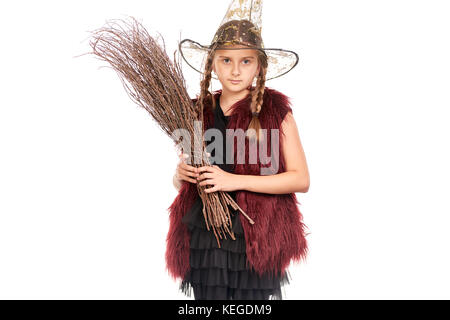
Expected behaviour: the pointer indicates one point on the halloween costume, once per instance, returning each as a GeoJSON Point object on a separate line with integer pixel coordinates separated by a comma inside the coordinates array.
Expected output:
{"type": "Point", "coordinates": [254, 266]}
{"type": "Point", "coordinates": [269, 228]}
{"type": "Point", "coordinates": [278, 235]}
{"type": "Point", "coordinates": [223, 273]}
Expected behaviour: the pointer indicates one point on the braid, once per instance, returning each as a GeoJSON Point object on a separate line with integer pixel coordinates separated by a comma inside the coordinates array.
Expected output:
{"type": "Point", "coordinates": [256, 104]}
{"type": "Point", "coordinates": [204, 85]}
{"type": "Point", "coordinates": [261, 85]}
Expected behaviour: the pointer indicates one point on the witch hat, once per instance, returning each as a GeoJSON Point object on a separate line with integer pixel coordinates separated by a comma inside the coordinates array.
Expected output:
{"type": "Point", "coordinates": [242, 24]}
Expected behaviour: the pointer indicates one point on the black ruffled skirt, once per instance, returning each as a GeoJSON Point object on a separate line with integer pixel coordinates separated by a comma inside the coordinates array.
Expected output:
{"type": "Point", "coordinates": [224, 273]}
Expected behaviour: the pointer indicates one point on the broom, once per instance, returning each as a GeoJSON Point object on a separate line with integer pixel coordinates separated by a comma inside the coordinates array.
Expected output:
{"type": "Point", "coordinates": [156, 84]}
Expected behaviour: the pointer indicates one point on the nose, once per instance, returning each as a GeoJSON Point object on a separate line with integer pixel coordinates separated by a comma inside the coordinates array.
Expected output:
{"type": "Point", "coordinates": [236, 72]}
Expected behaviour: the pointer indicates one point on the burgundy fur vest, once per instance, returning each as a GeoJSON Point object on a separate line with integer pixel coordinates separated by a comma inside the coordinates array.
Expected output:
{"type": "Point", "coordinates": [278, 236]}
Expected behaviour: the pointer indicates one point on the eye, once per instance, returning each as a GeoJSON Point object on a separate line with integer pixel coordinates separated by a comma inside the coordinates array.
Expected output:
{"type": "Point", "coordinates": [247, 61]}
{"type": "Point", "coordinates": [225, 60]}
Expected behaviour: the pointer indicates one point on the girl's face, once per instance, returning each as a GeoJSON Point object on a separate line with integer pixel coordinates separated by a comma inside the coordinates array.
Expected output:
{"type": "Point", "coordinates": [241, 65]}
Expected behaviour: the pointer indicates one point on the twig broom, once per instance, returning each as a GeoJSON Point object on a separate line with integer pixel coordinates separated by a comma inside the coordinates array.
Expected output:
{"type": "Point", "coordinates": [156, 84]}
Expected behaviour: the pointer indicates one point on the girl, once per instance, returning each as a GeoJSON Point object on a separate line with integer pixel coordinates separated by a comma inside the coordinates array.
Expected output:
{"type": "Point", "coordinates": [254, 266]}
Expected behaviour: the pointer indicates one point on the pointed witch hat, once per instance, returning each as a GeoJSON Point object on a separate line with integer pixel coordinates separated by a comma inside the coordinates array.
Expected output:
{"type": "Point", "coordinates": [241, 25]}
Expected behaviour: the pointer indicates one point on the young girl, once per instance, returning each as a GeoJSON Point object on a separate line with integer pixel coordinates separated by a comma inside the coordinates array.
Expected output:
{"type": "Point", "coordinates": [254, 266]}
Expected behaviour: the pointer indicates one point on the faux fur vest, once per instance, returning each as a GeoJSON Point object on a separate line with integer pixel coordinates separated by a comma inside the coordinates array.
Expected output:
{"type": "Point", "coordinates": [278, 236]}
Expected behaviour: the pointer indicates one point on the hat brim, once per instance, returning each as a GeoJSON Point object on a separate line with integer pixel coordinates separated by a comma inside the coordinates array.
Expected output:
{"type": "Point", "coordinates": [280, 61]}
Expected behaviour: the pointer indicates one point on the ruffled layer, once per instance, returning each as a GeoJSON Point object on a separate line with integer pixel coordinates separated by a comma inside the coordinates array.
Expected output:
{"type": "Point", "coordinates": [205, 292]}
{"type": "Point", "coordinates": [242, 279]}
{"type": "Point", "coordinates": [202, 239]}
{"type": "Point", "coordinates": [216, 273]}
{"type": "Point", "coordinates": [224, 273]}
{"type": "Point", "coordinates": [218, 258]}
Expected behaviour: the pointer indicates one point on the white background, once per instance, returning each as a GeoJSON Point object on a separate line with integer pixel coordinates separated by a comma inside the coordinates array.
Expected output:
{"type": "Point", "coordinates": [86, 175]}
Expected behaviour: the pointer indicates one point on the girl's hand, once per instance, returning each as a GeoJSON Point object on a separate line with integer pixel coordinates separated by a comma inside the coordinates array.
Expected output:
{"type": "Point", "coordinates": [219, 179]}
{"type": "Point", "coordinates": [184, 171]}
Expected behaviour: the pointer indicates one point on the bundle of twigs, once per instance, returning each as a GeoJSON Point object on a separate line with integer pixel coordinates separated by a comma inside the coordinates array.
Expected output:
{"type": "Point", "coordinates": [157, 84]}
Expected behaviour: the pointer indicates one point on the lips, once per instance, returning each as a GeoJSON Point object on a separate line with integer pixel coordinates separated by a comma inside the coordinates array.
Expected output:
{"type": "Point", "coordinates": [235, 81]}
